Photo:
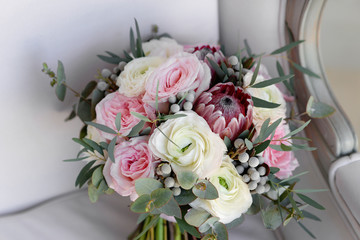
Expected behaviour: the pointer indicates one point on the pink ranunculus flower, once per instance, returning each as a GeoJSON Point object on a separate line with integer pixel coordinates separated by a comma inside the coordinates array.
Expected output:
{"type": "Point", "coordinates": [180, 73]}
{"type": "Point", "coordinates": [133, 160]}
{"type": "Point", "coordinates": [112, 104]}
{"type": "Point", "coordinates": [284, 160]}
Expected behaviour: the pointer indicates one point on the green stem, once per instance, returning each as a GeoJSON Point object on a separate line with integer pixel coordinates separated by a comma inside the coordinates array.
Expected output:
{"type": "Point", "coordinates": [177, 232]}
{"type": "Point", "coordinates": [147, 220]}
{"type": "Point", "coordinates": [160, 229]}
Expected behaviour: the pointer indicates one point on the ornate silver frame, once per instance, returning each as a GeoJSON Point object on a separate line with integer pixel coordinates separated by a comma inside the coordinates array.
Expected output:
{"type": "Point", "coordinates": [333, 136]}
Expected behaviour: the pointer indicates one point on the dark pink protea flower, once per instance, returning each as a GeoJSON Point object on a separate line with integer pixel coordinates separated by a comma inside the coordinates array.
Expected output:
{"type": "Point", "coordinates": [227, 109]}
{"type": "Point", "coordinates": [203, 52]}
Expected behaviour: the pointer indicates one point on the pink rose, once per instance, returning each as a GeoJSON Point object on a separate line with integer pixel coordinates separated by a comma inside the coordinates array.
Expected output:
{"type": "Point", "coordinates": [133, 160]}
{"type": "Point", "coordinates": [180, 73]}
{"type": "Point", "coordinates": [285, 160]}
{"type": "Point", "coordinates": [112, 104]}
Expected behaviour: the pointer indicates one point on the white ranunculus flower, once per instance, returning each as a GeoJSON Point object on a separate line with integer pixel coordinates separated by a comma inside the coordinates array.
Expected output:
{"type": "Point", "coordinates": [163, 47]}
{"type": "Point", "coordinates": [198, 149]}
{"type": "Point", "coordinates": [132, 80]}
{"type": "Point", "coordinates": [270, 94]}
{"type": "Point", "coordinates": [234, 195]}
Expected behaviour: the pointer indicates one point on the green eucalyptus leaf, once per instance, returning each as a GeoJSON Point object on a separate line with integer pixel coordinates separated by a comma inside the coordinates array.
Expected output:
{"type": "Point", "coordinates": [294, 176]}
{"type": "Point", "coordinates": [147, 185]}
{"type": "Point", "coordinates": [235, 222]}
{"type": "Point", "coordinates": [271, 217]}
{"type": "Point", "coordinates": [60, 91]}
{"type": "Point", "coordinates": [166, 117]}
{"type": "Point", "coordinates": [248, 49]}
{"type": "Point", "coordinates": [75, 159]}
{"type": "Point", "coordinates": [208, 224]}
{"type": "Point", "coordinates": [93, 145]}
{"type": "Point", "coordinates": [285, 147]}
{"type": "Point", "coordinates": [84, 110]}
{"type": "Point", "coordinates": [118, 121]}
{"type": "Point", "coordinates": [97, 176]}
{"type": "Point", "coordinates": [88, 89]}
{"type": "Point", "coordinates": [305, 70]}
{"type": "Point", "coordinates": [272, 81]}
{"type": "Point", "coordinates": [204, 189]}
{"type": "Point", "coordinates": [161, 196]}
{"type": "Point", "coordinates": [146, 131]}
{"type": "Point", "coordinates": [296, 130]}
{"type": "Point", "coordinates": [309, 190]}
{"type": "Point", "coordinates": [310, 216]}
{"type": "Point", "coordinates": [187, 179]}
{"type": "Point", "coordinates": [220, 231]}
{"type": "Point", "coordinates": [96, 97]}
{"type": "Point", "coordinates": [310, 201]}
{"type": "Point", "coordinates": [185, 197]}
{"type": "Point", "coordinates": [254, 76]}
{"type": "Point", "coordinates": [294, 205]}
{"type": "Point", "coordinates": [248, 144]}
{"type": "Point", "coordinates": [216, 68]}
{"type": "Point", "coordinates": [136, 129]}
{"type": "Point", "coordinates": [255, 206]}
{"type": "Point", "coordinates": [93, 193]}
{"type": "Point", "coordinates": [227, 142]}
{"type": "Point", "coordinates": [102, 127]}
{"type": "Point", "coordinates": [84, 174]}
{"type": "Point", "coordinates": [111, 149]}
{"type": "Point", "coordinates": [84, 144]}
{"type": "Point", "coordinates": [185, 227]}
{"type": "Point", "coordinates": [196, 217]}
{"type": "Point", "coordinates": [307, 230]}
{"type": "Point", "coordinates": [60, 73]}
{"type": "Point", "coordinates": [132, 43]}
{"type": "Point", "coordinates": [171, 208]}
{"type": "Point", "coordinates": [274, 170]}
{"type": "Point", "coordinates": [287, 47]}
{"type": "Point", "coordinates": [261, 147]}
{"type": "Point", "coordinates": [140, 116]}
{"type": "Point", "coordinates": [260, 103]}
{"type": "Point", "coordinates": [142, 204]}
{"type": "Point", "coordinates": [318, 109]}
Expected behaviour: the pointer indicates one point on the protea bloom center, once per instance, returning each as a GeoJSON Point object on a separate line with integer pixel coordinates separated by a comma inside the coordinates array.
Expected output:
{"type": "Point", "coordinates": [227, 109]}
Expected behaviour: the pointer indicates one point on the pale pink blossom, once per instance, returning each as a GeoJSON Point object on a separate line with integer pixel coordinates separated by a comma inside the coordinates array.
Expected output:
{"type": "Point", "coordinates": [227, 109]}
{"type": "Point", "coordinates": [284, 160]}
{"type": "Point", "coordinates": [180, 73]}
{"type": "Point", "coordinates": [112, 104]}
{"type": "Point", "coordinates": [133, 160]}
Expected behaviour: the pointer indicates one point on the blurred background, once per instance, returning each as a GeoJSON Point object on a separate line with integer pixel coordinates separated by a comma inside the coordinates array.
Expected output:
{"type": "Point", "coordinates": [340, 51]}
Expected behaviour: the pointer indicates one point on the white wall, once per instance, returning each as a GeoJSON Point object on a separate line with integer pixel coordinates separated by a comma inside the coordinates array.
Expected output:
{"type": "Point", "coordinates": [34, 139]}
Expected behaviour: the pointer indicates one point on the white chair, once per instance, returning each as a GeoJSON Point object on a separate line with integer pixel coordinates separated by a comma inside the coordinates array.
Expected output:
{"type": "Point", "coordinates": [38, 198]}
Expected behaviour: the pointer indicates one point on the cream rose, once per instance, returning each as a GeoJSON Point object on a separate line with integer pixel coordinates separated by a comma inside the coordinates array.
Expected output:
{"type": "Point", "coordinates": [234, 195]}
{"type": "Point", "coordinates": [270, 94]}
{"type": "Point", "coordinates": [198, 149]}
{"type": "Point", "coordinates": [163, 47]}
{"type": "Point", "coordinates": [132, 80]}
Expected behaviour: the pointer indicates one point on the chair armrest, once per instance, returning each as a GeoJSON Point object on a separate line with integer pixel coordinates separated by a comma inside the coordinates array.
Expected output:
{"type": "Point", "coordinates": [343, 179]}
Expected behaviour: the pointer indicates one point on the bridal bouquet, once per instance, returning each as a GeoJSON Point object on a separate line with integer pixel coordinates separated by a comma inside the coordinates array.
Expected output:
{"type": "Point", "coordinates": [196, 139]}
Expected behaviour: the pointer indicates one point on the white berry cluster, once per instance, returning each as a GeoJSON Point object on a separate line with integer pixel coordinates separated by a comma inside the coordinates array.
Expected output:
{"type": "Point", "coordinates": [164, 172]}
{"type": "Point", "coordinates": [186, 104]}
{"type": "Point", "coordinates": [106, 73]}
{"type": "Point", "coordinates": [234, 70]}
{"type": "Point", "coordinates": [252, 169]}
